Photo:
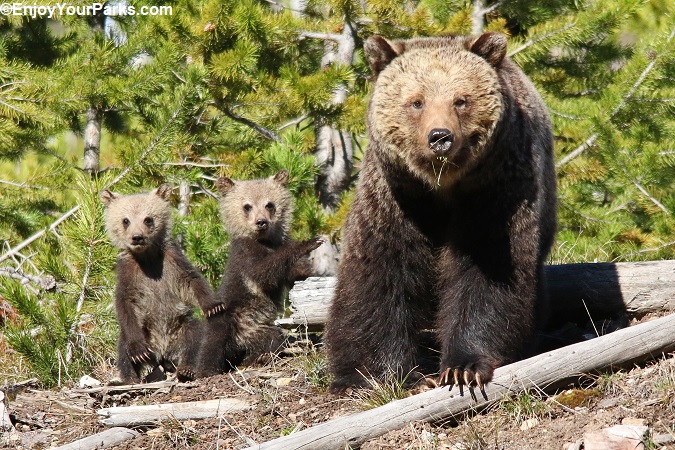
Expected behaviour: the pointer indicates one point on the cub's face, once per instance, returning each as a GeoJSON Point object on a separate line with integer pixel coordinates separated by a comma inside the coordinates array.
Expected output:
{"type": "Point", "coordinates": [260, 209]}
{"type": "Point", "coordinates": [434, 106]}
{"type": "Point", "coordinates": [140, 222]}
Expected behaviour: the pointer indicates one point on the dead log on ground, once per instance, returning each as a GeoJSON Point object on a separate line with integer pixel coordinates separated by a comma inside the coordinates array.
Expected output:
{"type": "Point", "coordinates": [104, 439]}
{"type": "Point", "coordinates": [637, 343]}
{"type": "Point", "coordinates": [129, 387]}
{"type": "Point", "coordinates": [606, 289]}
{"type": "Point", "coordinates": [152, 414]}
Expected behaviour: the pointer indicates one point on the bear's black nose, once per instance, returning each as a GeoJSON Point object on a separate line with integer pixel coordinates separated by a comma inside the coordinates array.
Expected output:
{"type": "Point", "coordinates": [262, 224]}
{"type": "Point", "coordinates": [137, 239]}
{"type": "Point", "coordinates": [440, 140]}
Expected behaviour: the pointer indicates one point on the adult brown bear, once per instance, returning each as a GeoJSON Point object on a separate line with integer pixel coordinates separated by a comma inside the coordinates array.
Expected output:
{"type": "Point", "coordinates": [453, 217]}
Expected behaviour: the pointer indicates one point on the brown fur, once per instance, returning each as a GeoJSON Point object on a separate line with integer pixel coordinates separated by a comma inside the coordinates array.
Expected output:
{"type": "Point", "coordinates": [157, 291]}
{"type": "Point", "coordinates": [261, 265]}
{"type": "Point", "coordinates": [453, 217]}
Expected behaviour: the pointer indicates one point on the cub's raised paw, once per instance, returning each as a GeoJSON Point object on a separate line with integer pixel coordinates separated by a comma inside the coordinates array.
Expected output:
{"type": "Point", "coordinates": [139, 352]}
{"type": "Point", "coordinates": [214, 310]}
{"type": "Point", "coordinates": [313, 244]}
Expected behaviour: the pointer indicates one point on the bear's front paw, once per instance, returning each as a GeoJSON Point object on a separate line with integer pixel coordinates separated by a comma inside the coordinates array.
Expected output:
{"type": "Point", "coordinates": [475, 370]}
{"type": "Point", "coordinates": [312, 244]}
{"type": "Point", "coordinates": [139, 352]}
{"type": "Point", "coordinates": [214, 309]}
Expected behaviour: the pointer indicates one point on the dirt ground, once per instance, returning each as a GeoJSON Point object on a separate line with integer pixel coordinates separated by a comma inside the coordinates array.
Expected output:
{"type": "Point", "coordinates": [289, 394]}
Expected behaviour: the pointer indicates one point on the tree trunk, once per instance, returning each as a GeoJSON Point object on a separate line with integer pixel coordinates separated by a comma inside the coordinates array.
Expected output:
{"type": "Point", "coordinates": [334, 151]}
{"type": "Point", "coordinates": [477, 17]}
{"type": "Point", "coordinates": [92, 141]}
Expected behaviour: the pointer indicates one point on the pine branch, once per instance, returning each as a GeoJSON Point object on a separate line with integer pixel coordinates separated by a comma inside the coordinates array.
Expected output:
{"type": "Point", "coordinates": [532, 42]}
{"type": "Point", "coordinates": [24, 185]}
{"type": "Point", "coordinates": [39, 234]}
{"type": "Point", "coordinates": [645, 192]}
{"type": "Point", "coordinates": [626, 98]}
{"type": "Point", "coordinates": [264, 132]}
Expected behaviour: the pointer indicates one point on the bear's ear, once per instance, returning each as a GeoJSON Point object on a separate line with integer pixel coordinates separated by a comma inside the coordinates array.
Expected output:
{"type": "Point", "coordinates": [224, 185]}
{"type": "Point", "coordinates": [282, 177]}
{"type": "Point", "coordinates": [107, 197]}
{"type": "Point", "coordinates": [380, 52]}
{"type": "Point", "coordinates": [491, 47]}
{"type": "Point", "coordinates": [163, 191]}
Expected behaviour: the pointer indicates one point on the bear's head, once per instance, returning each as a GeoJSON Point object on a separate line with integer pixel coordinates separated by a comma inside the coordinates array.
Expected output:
{"type": "Point", "coordinates": [139, 223]}
{"type": "Point", "coordinates": [260, 209]}
{"type": "Point", "coordinates": [436, 102]}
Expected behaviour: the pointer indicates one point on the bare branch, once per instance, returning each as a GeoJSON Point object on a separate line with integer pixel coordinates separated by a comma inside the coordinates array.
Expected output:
{"type": "Point", "coordinates": [323, 36]}
{"type": "Point", "coordinates": [194, 164]}
{"type": "Point", "coordinates": [39, 234]}
{"type": "Point", "coordinates": [645, 192]}
{"type": "Point", "coordinates": [45, 283]}
{"type": "Point", "coordinates": [24, 185]}
{"type": "Point", "coordinates": [295, 121]}
{"type": "Point", "coordinates": [578, 151]}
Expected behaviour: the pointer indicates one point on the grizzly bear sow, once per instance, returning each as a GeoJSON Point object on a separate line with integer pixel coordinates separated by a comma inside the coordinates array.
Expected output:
{"type": "Point", "coordinates": [453, 217]}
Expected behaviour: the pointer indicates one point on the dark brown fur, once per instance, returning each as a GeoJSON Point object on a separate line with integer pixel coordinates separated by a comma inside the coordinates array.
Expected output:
{"type": "Point", "coordinates": [158, 290]}
{"type": "Point", "coordinates": [262, 263]}
{"type": "Point", "coordinates": [448, 233]}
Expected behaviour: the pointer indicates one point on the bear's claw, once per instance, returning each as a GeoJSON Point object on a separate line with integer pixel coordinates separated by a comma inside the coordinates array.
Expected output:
{"type": "Point", "coordinates": [466, 380]}
{"type": "Point", "coordinates": [217, 309]}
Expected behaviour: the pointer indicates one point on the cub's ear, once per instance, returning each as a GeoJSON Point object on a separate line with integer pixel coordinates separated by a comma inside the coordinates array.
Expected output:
{"type": "Point", "coordinates": [107, 197]}
{"type": "Point", "coordinates": [224, 185]}
{"type": "Point", "coordinates": [282, 177]}
{"type": "Point", "coordinates": [491, 47]}
{"type": "Point", "coordinates": [163, 191]}
{"type": "Point", "coordinates": [380, 52]}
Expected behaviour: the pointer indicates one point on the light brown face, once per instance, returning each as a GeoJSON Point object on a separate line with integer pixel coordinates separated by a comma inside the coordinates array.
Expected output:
{"type": "Point", "coordinates": [261, 209]}
{"type": "Point", "coordinates": [138, 222]}
{"type": "Point", "coordinates": [261, 216]}
{"type": "Point", "coordinates": [434, 110]}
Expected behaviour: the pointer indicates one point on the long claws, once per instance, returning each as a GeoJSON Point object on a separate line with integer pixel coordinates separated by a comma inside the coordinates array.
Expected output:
{"type": "Point", "coordinates": [215, 310]}
{"type": "Point", "coordinates": [481, 386]}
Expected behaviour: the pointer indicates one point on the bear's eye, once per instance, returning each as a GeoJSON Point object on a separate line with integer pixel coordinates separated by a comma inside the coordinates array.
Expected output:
{"type": "Point", "coordinates": [148, 221]}
{"type": "Point", "coordinates": [460, 102]}
{"type": "Point", "coordinates": [270, 207]}
{"type": "Point", "coordinates": [417, 104]}
{"type": "Point", "coordinates": [248, 208]}
{"type": "Point", "coordinates": [125, 222]}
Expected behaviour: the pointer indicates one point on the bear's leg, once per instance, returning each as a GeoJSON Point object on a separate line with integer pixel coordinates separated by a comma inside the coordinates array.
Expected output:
{"type": "Point", "coordinates": [218, 352]}
{"type": "Point", "coordinates": [375, 320]}
{"type": "Point", "coordinates": [188, 345]}
{"type": "Point", "coordinates": [482, 323]}
{"type": "Point", "coordinates": [128, 371]}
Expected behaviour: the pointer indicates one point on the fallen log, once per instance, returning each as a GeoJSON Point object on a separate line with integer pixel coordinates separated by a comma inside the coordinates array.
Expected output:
{"type": "Point", "coordinates": [637, 343]}
{"type": "Point", "coordinates": [576, 290]}
{"type": "Point", "coordinates": [104, 439]}
{"type": "Point", "coordinates": [152, 414]}
{"type": "Point", "coordinates": [129, 387]}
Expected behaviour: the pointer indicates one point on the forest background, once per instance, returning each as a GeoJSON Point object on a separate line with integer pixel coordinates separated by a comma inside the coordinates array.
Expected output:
{"type": "Point", "coordinates": [244, 88]}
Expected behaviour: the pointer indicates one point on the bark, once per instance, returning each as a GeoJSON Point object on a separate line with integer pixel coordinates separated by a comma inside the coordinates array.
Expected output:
{"type": "Point", "coordinates": [105, 439]}
{"type": "Point", "coordinates": [577, 292]}
{"type": "Point", "coordinates": [152, 414]}
{"type": "Point", "coordinates": [92, 140]}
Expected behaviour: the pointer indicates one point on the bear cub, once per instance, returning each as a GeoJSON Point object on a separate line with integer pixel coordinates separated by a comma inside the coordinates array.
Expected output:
{"type": "Point", "coordinates": [158, 290]}
{"type": "Point", "coordinates": [453, 216]}
{"type": "Point", "coordinates": [262, 264]}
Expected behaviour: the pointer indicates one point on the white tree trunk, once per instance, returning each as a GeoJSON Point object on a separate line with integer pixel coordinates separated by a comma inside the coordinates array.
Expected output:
{"type": "Point", "coordinates": [92, 141]}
